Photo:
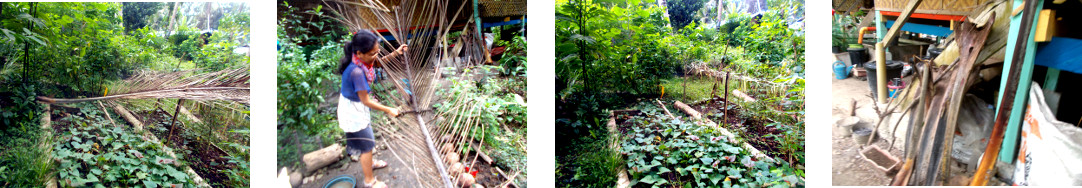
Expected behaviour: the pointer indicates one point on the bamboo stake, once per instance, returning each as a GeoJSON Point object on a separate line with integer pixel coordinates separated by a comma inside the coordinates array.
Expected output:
{"type": "Point", "coordinates": [106, 113]}
{"type": "Point", "coordinates": [726, 112]}
{"type": "Point", "coordinates": [173, 123]}
{"type": "Point", "coordinates": [659, 104]}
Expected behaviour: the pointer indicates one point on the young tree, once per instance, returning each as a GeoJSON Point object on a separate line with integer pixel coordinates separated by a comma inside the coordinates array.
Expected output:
{"type": "Point", "coordinates": [135, 14]}
{"type": "Point", "coordinates": [682, 12]}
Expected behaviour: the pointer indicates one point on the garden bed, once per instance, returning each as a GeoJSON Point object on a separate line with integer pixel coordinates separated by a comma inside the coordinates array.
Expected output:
{"type": "Point", "coordinates": [662, 151]}
{"type": "Point", "coordinates": [202, 156]}
{"type": "Point", "coordinates": [92, 150]}
{"type": "Point", "coordinates": [759, 133]}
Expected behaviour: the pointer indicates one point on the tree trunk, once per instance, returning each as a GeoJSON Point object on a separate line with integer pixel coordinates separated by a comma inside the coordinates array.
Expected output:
{"type": "Point", "coordinates": [172, 18]}
{"type": "Point", "coordinates": [209, 7]}
{"type": "Point", "coordinates": [26, 49]}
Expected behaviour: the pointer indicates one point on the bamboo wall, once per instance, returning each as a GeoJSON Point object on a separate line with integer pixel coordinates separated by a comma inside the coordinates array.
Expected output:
{"type": "Point", "coordinates": [488, 8]}
{"type": "Point", "coordinates": [945, 7]}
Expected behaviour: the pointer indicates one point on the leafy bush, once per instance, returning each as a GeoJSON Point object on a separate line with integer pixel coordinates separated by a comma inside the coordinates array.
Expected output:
{"type": "Point", "coordinates": [616, 48]}
{"type": "Point", "coordinates": [514, 58]}
{"type": "Point", "coordinates": [300, 91]}
{"type": "Point", "coordinates": [495, 107]}
{"type": "Point", "coordinates": [22, 163]}
{"type": "Point", "coordinates": [240, 175]}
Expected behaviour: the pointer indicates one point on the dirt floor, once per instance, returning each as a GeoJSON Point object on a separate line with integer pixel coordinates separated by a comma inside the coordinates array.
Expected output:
{"type": "Point", "coordinates": [205, 159]}
{"type": "Point", "coordinates": [396, 174]}
{"type": "Point", "coordinates": [848, 166]}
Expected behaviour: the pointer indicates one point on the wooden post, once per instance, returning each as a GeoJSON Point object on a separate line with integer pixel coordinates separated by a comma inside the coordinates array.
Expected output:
{"type": "Point", "coordinates": [173, 123]}
{"type": "Point", "coordinates": [880, 50]}
{"type": "Point", "coordinates": [725, 113]}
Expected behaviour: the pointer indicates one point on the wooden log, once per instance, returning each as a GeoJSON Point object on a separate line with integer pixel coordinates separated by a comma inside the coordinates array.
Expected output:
{"type": "Point", "coordinates": [322, 157]}
{"type": "Point", "coordinates": [743, 96]}
{"type": "Point", "coordinates": [129, 117]}
{"type": "Point", "coordinates": [47, 123]}
{"type": "Point", "coordinates": [46, 118]}
{"type": "Point", "coordinates": [488, 160]}
{"type": "Point", "coordinates": [138, 127]}
{"type": "Point", "coordinates": [510, 179]}
{"type": "Point", "coordinates": [693, 114]}
{"type": "Point", "coordinates": [725, 132]}
{"type": "Point", "coordinates": [191, 117]}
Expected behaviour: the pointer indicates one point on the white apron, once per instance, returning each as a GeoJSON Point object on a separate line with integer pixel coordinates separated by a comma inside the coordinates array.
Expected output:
{"type": "Point", "coordinates": [352, 116]}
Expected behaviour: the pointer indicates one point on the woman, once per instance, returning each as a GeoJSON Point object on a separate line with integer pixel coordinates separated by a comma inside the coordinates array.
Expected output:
{"type": "Point", "coordinates": [356, 68]}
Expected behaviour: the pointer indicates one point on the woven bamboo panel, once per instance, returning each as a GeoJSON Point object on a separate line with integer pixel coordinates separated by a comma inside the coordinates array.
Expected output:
{"type": "Point", "coordinates": [371, 18]}
{"type": "Point", "coordinates": [945, 7]}
{"type": "Point", "coordinates": [846, 5]}
{"type": "Point", "coordinates": [494, 8]}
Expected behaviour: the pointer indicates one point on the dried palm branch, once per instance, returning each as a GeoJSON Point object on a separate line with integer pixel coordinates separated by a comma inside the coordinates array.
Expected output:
{"type": "Point", "coordinates": [225, 85]}
{"type": "Point", "coordinates": [424, 25]}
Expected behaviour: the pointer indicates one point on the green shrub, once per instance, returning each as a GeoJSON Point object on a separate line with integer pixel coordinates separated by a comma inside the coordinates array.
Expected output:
{"type": "Point", "coordinates": [22, 163]}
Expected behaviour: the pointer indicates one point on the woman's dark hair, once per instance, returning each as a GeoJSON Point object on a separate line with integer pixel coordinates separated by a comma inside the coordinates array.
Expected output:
{"type": "Point", "coordinates": [363, 41]}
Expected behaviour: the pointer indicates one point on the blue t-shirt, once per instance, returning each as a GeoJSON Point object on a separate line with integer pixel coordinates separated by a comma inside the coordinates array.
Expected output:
{"type": "Point", "coordinates": [353, 81]}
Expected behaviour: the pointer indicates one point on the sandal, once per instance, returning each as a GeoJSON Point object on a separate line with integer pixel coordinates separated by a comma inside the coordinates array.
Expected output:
{"type": "Point", "coordinates": [378, 164]}
{"type": "Point", "coordinates": [376, 184]}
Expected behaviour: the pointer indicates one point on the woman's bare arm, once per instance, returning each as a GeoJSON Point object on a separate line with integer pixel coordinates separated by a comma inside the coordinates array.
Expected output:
{"type": "Point", "coordinates": [375, 105]}
{"type": "Point", "coordinates": [401, 49]}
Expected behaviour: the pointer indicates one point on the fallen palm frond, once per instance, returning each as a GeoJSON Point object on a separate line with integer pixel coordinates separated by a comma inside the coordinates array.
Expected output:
{"type": "Point", "coordinates": [224, 85]}
{"type": "Point", "coordinates": [927, 158]}
{"type": "Point", "coordinates": [424, 25]}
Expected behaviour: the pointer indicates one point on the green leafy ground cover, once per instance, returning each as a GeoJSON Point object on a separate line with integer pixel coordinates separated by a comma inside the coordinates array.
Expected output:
{"type": "Point", "coordinates": [663, 152]}
{"type": "Point", "coordinates": [92, 152]}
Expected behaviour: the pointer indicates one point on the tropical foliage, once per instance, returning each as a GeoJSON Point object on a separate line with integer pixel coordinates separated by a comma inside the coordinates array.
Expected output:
{"type": "Point", "coordinates": [610, 54]}
{"type": "Point", "coordinates": [82, 50]}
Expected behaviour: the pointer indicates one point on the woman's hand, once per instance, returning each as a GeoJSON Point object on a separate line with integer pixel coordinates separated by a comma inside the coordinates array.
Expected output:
{"type": "Point", "coordinates": [393, 112]}
{"type": "Point", "coordinates": [401, 49]}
